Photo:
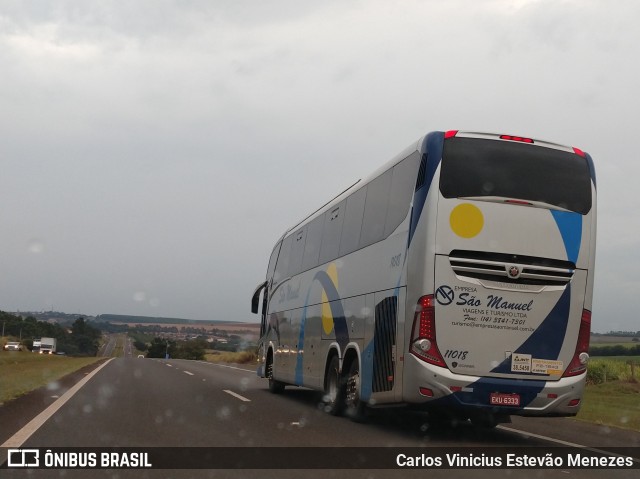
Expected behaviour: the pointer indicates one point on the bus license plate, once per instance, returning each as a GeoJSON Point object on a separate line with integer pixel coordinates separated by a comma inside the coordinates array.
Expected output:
{"type": "Point", "coordinates": [499, 399]}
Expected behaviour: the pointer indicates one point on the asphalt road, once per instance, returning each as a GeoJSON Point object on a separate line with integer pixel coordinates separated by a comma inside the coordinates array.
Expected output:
{"type": "Point", "coordinates": [158, 403]}
{"type": "Point", "coordinates": [109, 348]}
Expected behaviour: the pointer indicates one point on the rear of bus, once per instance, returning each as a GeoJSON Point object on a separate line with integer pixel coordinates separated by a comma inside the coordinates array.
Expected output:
{"type": "Point", "coordinates": [506, 327]}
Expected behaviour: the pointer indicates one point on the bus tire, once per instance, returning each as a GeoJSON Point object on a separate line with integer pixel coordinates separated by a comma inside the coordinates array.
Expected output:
{"type": "Point", "coordinates": [275, 386]}
{"type": "Point", "coordinates": [333, 388]}
{"type": "Point", "coordinates": [355, 408]}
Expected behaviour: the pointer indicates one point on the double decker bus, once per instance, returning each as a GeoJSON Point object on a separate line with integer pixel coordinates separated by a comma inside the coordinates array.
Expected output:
{"type": "Point", "coordinates": [458, 277]}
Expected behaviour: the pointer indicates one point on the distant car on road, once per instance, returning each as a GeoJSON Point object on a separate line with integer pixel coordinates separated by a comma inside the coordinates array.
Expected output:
{"type": "Point", "coordinates": [13, 346]}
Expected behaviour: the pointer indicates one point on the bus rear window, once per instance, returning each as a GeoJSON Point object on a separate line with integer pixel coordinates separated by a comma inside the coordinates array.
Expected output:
{"type": "Point", "coordinates": [477, 167]}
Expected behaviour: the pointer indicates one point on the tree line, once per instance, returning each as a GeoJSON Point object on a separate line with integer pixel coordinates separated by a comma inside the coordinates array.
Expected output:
{"type": "Point", "coordinates": [192, 349]}
{"type": "Point", "coordinates": [615, 350]}
{"type": "Point", "coordinates": [76, 339]}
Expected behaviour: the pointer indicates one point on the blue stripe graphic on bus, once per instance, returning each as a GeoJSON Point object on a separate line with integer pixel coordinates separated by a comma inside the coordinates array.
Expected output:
{"type": "Point", "coordinates": [431, 148]}
{"type": "Point", "coordinates": [367, 371]}
{"type": "Point", "coordinates": [337, 312]}
{"type": "Point", "coordinates": [570, 226]}
{"type": "Point", "coordinates": [483, 388]}
{"type": "Point", "coordinates": [546, 341]}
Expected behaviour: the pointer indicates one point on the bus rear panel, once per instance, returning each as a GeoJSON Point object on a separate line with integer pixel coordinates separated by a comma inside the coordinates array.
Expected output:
{"type": "Point", "coordinates": [504, 324]}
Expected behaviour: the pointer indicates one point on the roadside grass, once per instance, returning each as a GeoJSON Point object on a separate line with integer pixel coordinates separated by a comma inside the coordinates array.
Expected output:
{"type": "Point", "coordinates": [613, 368]}
{"type": "Point", "coordinates": [21, 372]}
{"type": "Point", "coordinates": [612, 395]}
{"type": "Point", "coordinates": [242, 357]}
{"type": "Point", "coordinates": [615, 403]}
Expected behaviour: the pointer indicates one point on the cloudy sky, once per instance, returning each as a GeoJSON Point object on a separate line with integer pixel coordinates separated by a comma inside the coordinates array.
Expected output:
{"type": "Point", "coordinates": [153, 151]}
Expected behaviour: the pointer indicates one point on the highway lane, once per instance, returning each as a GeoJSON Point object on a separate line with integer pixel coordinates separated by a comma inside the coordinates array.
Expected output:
{"type": "Point", "coordinates": [111, 347]}
{"type": "Point", "coordinates": [144, 402]}
{"type": "Point", "coordinates": [107, 349]}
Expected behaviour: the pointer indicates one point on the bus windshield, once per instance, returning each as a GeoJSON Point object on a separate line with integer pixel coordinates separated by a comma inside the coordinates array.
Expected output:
{"type": "Point", "coordinates": [474, 167]}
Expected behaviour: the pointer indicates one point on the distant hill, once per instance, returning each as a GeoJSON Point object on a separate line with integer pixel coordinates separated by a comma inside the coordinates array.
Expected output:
{"type": "Point", "coordinates": [121, 318]}
{"type": "Point", "coordinates": [53, 316]}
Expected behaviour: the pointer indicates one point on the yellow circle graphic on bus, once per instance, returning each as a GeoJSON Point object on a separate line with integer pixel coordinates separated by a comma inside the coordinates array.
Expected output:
{"type": "Point", "coordinates": [466, 220]}
{"type": "Point", "coordinates": [327, 315]}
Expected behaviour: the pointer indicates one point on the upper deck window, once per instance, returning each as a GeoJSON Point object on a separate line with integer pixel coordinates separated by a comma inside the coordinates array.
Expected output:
{"type": "Point", "coordinates": [474, 167]}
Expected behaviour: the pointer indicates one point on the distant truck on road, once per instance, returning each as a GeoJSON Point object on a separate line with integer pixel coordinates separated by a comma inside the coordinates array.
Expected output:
{"type": "Point", "coordinates": [47, 345]}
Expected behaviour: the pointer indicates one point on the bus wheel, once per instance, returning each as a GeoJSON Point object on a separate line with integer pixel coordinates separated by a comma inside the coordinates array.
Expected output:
{"type": "Point", "coordinates": [333, 388]}
{"type": "Point", "coordinates": [275, 386]}
{"type": "Point", "coordinates": [355, 408]}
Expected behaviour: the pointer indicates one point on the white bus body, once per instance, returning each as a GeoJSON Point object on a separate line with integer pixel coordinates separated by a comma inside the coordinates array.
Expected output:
{"type": "Point", "coordinates": [459, 276]}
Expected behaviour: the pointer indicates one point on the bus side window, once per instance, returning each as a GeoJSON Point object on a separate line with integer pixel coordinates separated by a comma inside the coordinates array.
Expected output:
{"type": "Point", "coordinates": [272, 260]}
{"type": "Point", "coordinates": [312, 246]}
{"type": "Point", "coordinates": [297, 250]}
{"type": "Point", "coordinates": [333, 220]}
{"type": "Point", "coordinates": [402, 186]}
{"type": "Point", "coordinates": [353, 221]}
{"type": "Point", "coordinates": [375, 209]}
{"type": "Point", "coordinates": [282, 267]}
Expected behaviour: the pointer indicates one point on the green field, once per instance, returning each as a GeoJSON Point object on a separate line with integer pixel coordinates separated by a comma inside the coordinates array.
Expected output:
{"type": "Point", "coordinates": [614, 403]}
{"type": "Point", "coordinates": [613, 368]}
{"type": "Point", "coordinates": [21, 372]}
{"type": "Point", "coordinates": [612, 396]}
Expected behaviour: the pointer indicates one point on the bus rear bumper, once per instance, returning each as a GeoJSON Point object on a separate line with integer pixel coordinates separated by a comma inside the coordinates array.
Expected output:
{"type": "Point", "coordinates": [434, 386]}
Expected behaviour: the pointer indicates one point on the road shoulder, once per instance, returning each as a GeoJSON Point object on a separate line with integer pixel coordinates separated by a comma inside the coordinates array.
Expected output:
{"type": "Point", "coordinates": [17, 413]}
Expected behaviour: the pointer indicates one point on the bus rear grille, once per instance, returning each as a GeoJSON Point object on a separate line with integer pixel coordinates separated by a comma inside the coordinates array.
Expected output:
{"type": "Point", "coordinates": [511, 268]}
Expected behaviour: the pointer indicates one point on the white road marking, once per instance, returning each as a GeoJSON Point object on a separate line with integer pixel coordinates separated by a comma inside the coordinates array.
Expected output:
{"type": "Point", "coordinates": [563, 443]}
{"type": "Point", "coordinates": [236, 395]}
{"type": "Point", "coordinates": [230, 367]}
{"type": "Point", "coordinates": [538, 436]}
{"type": "Point", "coordinates": [27, 431]}
{"type": "Point", "coordinates": [169, 365]}
{"type": "Point", "coordinates": [187, 372]}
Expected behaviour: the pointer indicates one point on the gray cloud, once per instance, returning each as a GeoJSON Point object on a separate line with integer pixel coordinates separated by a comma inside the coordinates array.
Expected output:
{"type": "Point", "coordinates": [154, 151]}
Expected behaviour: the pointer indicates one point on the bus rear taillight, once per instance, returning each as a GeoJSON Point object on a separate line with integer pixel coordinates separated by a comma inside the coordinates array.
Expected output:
{"type": "Point", "coordinates": [579, 152]}
{"type": "Point", "coordinates": [450, 134]}
{"type": "Point", "coordinates": [423, 335]}
{"type": "Point", "coordinates": [580, 359]}
{"type": "Point", "coordinates": [516, 138]}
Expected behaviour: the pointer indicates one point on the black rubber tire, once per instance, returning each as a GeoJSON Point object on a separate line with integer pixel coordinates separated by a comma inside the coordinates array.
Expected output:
{"type": "Point", "coordinates": [333, 398]}
{"type": "Point", "coordinates": [275, 386]}
{"type": "Point", "coordinates": [355, 409]}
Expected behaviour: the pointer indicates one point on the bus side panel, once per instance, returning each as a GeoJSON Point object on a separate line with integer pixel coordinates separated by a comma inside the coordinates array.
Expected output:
{"type": "Point", "coordinates": [400, 351]}
{"type": "Point", "coordinates": [283, 361]}
{"type": "Point", "coordinates": [309, 367]}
